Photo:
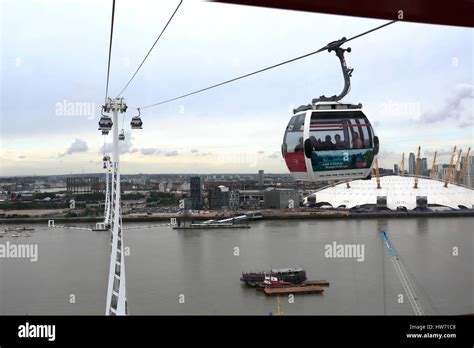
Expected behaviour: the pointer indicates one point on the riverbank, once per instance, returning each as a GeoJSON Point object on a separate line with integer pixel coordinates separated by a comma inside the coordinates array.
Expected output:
{"type": "Point", "coordinates": [266, 215]}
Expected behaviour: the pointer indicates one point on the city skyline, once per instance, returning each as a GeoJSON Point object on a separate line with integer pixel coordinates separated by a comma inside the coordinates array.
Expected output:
{"type": "Point", "coordinates": [51, 108]}
{"type": "Point", "coordinates": [425, 165]}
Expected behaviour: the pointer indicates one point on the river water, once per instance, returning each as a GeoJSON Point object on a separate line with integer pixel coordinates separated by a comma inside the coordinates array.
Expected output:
{"type": "Point", "coordinates": [205, 266]}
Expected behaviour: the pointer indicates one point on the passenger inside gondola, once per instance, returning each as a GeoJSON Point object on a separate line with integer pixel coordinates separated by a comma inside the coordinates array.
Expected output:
{"type": "Point", "coordinates": [356, 141]}
{"type": "Point", "coordinates": [319, 145]}
{"type": "Point", "coordinates": [316, 143]}
{"type": "Point", "coordinates": [339, 145]}
{"type": "Point", "coordinates": [299, 146]}
{"type": "Point", "coordinates": [327, 144]}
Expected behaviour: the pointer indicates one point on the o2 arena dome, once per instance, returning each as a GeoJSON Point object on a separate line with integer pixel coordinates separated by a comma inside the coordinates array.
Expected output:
{"type": "Point", "coordinates": [395, 192]}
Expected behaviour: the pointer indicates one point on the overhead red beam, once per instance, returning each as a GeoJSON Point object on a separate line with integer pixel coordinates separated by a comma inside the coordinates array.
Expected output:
{"type": "Point", "coordinates": [454, 12]}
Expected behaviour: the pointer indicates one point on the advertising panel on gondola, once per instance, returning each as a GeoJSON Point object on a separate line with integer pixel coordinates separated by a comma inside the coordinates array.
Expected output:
{"type": "Point", "coordinates": [341, 159]}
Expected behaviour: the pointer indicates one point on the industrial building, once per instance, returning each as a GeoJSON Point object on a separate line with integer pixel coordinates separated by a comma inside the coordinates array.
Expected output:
{"type": "Point", "coordinates": [77, 185]}
{"type": "Point", "coordinates": [281, 198]}
{"type": "Point", "coordinates": [250, 199]}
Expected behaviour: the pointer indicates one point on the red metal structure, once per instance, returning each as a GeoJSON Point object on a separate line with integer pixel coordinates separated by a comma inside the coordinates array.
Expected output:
{"type": "Point", "coordinates": [457, 13]}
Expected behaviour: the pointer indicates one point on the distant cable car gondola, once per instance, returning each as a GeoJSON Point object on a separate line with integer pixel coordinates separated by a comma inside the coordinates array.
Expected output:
{"type": "Point", "coordinates": [105, 122]}
{"type": "Point", "coordinates": [330, 140]}
{"type": "Point", "coordinates": [105, 159]}
{"type": "Point", "coordinates": [121, 135]}
{"type": "Point", "coordinates": [136, 122]}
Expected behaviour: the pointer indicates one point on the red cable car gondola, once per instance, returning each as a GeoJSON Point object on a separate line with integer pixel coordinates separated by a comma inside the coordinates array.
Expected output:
{"type": "Point", "coordinates": [330, 140]}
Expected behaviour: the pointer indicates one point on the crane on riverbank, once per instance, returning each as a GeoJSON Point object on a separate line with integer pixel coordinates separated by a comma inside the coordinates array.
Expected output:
{"type": "Point", "coordinates": [402, 274]}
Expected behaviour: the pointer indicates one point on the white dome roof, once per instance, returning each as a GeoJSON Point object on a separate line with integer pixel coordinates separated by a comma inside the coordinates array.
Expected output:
{"type": "Point", "coordinates": [399, 192]}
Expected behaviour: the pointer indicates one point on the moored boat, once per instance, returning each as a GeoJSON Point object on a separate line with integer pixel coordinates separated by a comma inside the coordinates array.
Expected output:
{"type": "Point", "coordinates": [287, 275]}
{"type": "Point", "coordinates": [272, 282]}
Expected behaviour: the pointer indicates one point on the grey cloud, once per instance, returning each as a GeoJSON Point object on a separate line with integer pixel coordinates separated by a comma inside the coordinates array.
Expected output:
{"type": "Point", "coordinates": [387, 154]}
{"type": "Point", "coordinates": [274, 155]}
{"type": "Point", "coordinates": [453, 108]}
{"type": "Point", "coordinates": [154, 151]}
{"type": "Point", "coordinates": [171, 153]}
{"type": "Point", "coordinates": [466, 123]}
{"type": "Point", "coordinates": [148, 151]}
{"type": "Point", "coordinates": [78, 145]}
{"type": "Point", "coordinates": [194, 150]}
{"type": "Point", "coordinates": [440, 152]}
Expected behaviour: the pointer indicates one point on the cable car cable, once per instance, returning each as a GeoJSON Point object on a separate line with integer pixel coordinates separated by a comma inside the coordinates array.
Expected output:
{"type": "Point", "coordinates": [422, 288]}
{"type": "Point", "coordinates": [158, 38]}
{"type": "Point", "coordinates": [340, 42]}
{"type": "Point", "coordinates": [110, 49]}
{"type": "Point", "coordinates": [370, 31]}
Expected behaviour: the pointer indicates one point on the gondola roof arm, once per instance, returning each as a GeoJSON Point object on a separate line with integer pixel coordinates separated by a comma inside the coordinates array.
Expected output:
{"type": "Point", "coordinates": [346, 72]}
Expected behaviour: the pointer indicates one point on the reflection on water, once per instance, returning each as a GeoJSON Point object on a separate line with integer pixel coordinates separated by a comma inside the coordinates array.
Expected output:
{"type": "Point", "coordinates": [165, 264]}
{"type": "Point", "coordinates": [422, 225]}
{"type": "Point", "coordinates": [381, 224]}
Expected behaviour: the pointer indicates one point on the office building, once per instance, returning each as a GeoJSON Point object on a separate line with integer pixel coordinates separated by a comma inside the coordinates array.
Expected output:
{"type": "Point", "coordinates": [196, 193]}
{"type": "Point", "coordinates": [411, 164]}
{"type": "Point", "coordinates": [219, 197]}
{"type": "Point", "coordinates": [424, 167]}
{"type": "Point", "coordinates": [261, 179]}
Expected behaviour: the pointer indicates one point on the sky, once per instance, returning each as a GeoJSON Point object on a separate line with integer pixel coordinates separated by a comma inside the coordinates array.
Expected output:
{"type": "Point", "coordinates": [415, 82]}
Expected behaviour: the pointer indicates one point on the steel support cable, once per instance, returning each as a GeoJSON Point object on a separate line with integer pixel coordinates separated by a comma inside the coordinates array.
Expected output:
{"type": "Point", "coordinates": [340, 42]}
{"type": "Point", "coordinates": [110, 49]}
{"type": "Point", "coordinates": [151, 49]}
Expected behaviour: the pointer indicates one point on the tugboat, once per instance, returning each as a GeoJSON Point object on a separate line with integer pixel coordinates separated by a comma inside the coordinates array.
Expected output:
{"type": "Point", "coordinates": [287, 275]}
{"type": "Point", "coordinates": [272, 282]}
